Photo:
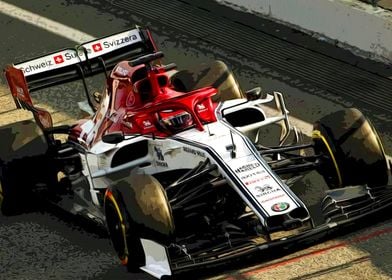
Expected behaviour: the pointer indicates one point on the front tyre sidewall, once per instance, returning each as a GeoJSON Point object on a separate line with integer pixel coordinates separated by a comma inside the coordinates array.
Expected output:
{"type": "Point", "coordinates": [352, 148]}
{"type": "Point", "coordinates": [122, 232]}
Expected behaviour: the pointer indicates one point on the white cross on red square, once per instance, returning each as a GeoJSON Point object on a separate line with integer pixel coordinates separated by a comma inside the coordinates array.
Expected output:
{"type": "Point", "coordinates": [58, 59]}
{"type": "Point", "coordinates": [97, 47]}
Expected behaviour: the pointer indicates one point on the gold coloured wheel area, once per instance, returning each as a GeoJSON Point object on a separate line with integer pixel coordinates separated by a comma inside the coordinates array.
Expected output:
{"type": "Point", "coordinates": [116, 227]}
{"type": "Point", "coordinates": [316, 134]}
{"type": "Point", "coordinates": [353, 152]}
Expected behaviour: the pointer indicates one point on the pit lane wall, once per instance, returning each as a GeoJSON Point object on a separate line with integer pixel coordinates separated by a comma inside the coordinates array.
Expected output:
{"type": "Point", "coordinates": [358, 26]}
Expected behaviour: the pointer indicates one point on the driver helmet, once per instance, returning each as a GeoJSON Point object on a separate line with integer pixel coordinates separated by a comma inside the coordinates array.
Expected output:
{"type": "Point", "coordinates": [175, 120]}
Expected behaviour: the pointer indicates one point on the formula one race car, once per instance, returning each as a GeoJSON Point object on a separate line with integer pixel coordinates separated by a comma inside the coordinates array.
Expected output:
{"type": "Point", "coordinates": [183, 167]}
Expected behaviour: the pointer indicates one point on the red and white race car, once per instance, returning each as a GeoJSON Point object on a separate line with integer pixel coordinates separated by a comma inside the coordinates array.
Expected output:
{"type": "Point", "coordinates": [178, 165]}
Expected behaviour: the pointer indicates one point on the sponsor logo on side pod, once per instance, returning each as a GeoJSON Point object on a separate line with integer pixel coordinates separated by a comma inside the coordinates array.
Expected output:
{"type": "Point", "coordinates": [280, 206]}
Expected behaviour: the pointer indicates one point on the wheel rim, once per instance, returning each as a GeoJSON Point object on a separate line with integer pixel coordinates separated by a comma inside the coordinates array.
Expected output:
{"type": "Point", "coordinates": [116, 227]}
{"type": "Point", "coordinates": [317, 135]}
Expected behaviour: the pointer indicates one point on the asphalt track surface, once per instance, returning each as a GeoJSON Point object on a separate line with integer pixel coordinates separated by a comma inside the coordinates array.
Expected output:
{"type": "Point", "coordinates": [49, 244]}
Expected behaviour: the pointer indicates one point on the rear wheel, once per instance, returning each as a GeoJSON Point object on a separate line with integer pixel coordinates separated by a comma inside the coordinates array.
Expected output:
{"type": "Point", "coordinates": [15, 192]}
{"type": "Point", "coordinates": [215, 74]}
{"type": "Point", "coordinates": [6, 200]}
{"type": "Point", "coordinates": [354, 154]}
{"type": "Point", "coordinates": [22, 164]}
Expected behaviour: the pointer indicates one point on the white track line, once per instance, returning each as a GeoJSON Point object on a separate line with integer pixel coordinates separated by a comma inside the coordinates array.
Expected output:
{"type": "Point", "coordinates": [44, 23]}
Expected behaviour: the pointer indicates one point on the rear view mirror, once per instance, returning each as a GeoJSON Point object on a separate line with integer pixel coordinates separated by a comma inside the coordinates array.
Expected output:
{"type": "Point", "coordinates": [255, 93]}
{"type": "Point", "coordinates": [113, 137]}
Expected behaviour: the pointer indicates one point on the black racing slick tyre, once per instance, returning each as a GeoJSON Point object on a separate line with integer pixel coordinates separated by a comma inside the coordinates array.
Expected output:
{"type": "Point", "coordinates": [15, 188]}
{"type": "Point", "coordinates": [136, 208]}
{"type": "Point", "coordinates": [123, 232]}
{"type": "Point", "coordinates": [353, 152]}
{"type": "Point", "coordinates": [23, 163]}
{"type": "Point", "coordinates": [9, 202]}
{"type": "Point", "coordinates": [216, 74]}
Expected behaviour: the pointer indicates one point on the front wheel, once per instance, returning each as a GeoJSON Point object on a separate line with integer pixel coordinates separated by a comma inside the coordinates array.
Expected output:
{"type": "Point", "coordinates": [353, 152]}
{"type": "Point", "coordinates": [122, 232]}
{"type": "Point", "coordinates": [135, 208]}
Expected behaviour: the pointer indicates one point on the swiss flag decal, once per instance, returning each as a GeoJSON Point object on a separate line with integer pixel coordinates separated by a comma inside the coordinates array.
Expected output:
{"type": "Point", "coordinates": [97, 47]}
{"type": "Point", "coordinates": [58, 59]}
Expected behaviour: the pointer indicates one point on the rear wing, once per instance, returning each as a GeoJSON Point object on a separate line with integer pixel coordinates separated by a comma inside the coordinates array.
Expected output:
{"type": "Point", "coordinates": [66, 65]}
{"type": "Point", "coordinates": [85, 60]}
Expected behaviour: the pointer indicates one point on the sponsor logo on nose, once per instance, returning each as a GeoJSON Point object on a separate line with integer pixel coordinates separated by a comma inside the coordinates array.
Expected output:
{"type": "Point", "coordinates": [280, 206]}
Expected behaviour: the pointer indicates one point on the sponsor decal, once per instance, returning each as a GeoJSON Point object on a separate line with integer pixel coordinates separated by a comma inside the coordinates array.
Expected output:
{"type": "Point", "coordinates": [201, 108]}
{"type": "Point", "coordinates": [97, 47]}
{"type": "Point", "coordinates": [58, 59]}
{"type": "Point", "coordinates": [280, 206]}
{"type": "Point", "coordinates": [257, 180]}
{"type": "Point", "coordinates": [264, 190]}
{"type": "Point", "coordinates": [272, 198]}
{"type": "Point", "coordinates": [36, 66]}
{"type": "Point", "coordinates": [147, 124]}
{"type": "Point", "coordinates": [121, 71]}
{"type": "Point", "coordinates": [70, 57]}
{"type": "Point", "coordinates": [252, 174]}
{"type": "Point", "coordinates": [158, 152]}
{"type": "Point", "coordinates": [194, 152]}
{"type": "Point", "coordinates": [162, 164]}
{"type": "Point", "coordinates": [247, 167]}
{"type": "Point", "coordinates": [160, 157]}
{"type": "Point", "coordinates": [120, 41]}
